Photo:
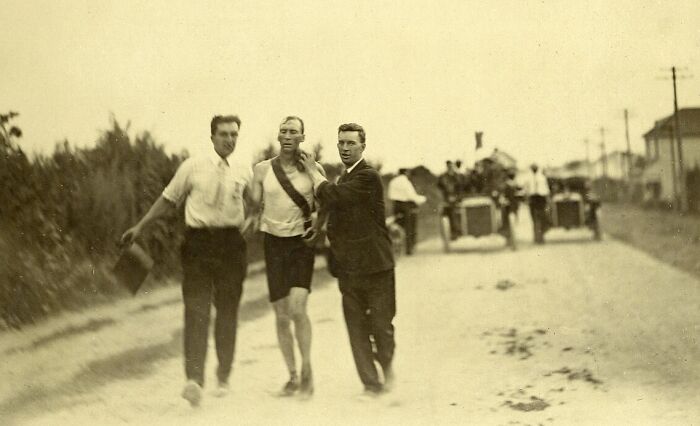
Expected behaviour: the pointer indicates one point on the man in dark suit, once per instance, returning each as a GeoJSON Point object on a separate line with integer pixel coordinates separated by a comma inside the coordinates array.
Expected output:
{"type": "Point", "coordinates": [361, 245]}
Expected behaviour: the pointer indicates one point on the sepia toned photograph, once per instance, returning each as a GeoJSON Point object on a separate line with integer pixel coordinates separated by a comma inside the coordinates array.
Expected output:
{"type": "Point", "coordinates": [350, 212]}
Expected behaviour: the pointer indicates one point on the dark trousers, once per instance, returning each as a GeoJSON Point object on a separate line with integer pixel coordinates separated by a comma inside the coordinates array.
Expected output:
{"type": "Point", "coordinates": [369, 305]}
{"type": "Point", "coordinates": [405, 213]}
{"type": "Point", "coordinates": [538, 203]}
{"type": "Point", "coordinates": [452, 211]}
{"type": "Point", "coordinates": [214, 266]}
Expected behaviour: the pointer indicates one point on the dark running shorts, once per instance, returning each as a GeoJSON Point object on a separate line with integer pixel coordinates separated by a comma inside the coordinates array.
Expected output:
{"type": "Point", "coordinates": [288, 263]}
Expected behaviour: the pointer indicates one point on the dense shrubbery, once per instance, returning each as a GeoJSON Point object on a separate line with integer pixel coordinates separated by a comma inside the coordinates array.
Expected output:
{"type": "Point", "coordinates": [61, 215]}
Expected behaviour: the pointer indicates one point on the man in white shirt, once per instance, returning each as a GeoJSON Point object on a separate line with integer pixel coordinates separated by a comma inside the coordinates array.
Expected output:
{"type": "Point", "coordinates": [213, 253]}
{"type": "Point", "coordinates": [405, 201]}
{"type": "Point", "coordinates": [537, 190]}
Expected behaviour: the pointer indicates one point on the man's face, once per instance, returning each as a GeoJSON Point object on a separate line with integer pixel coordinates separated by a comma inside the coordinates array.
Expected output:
{"type": "Point", "coordinates": [224, 139]}
{"type": "Point", "coordinates": [349, 147]}
{"type": "Point", "coordinates": [290, 136]}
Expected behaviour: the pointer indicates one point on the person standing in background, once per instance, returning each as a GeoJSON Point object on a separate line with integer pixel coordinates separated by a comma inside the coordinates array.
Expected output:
{"type": "Point", "coordinates": [405, 200]}
{"type": "Point", "coordinates": [537, 191]}
{"type": "Point", "coordinates": [449, 185]}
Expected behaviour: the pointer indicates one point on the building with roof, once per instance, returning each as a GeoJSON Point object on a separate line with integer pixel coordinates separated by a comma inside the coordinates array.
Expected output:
{"type": "Point", "coordinates": [662, 158]}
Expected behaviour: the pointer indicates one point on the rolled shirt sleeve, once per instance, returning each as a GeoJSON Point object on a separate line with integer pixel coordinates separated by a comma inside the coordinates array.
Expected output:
{"type": "Point", "coordinates": [179, 186]}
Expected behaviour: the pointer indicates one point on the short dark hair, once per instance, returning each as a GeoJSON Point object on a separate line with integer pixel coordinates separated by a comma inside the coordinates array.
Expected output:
{"type": "Point", "coordinates": [353, 127]}
{"type": "Point", "coordinates": [294, 117]}
{"type": "Point", "coordinates": [448, 162]}
{"type": "Point", "coordinates": [218, 119]}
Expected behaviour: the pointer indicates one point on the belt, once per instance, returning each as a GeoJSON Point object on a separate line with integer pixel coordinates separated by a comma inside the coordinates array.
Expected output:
{"type": "Point", "coordinates": [212, 230]}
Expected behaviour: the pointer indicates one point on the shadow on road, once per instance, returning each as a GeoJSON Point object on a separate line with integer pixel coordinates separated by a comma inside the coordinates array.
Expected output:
{"type": "Point", "coordinates": [91, 326]}
{"type": "Point", "coordinates": [129, 364]}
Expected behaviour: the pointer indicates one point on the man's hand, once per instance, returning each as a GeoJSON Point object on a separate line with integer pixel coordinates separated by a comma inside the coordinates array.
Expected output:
{"type": "Point", "coordinates": [161, 207]}
{"type": "Point", "coordinates": [311, 236]}
{"type": "Point", "coordinates": [130, 235]}
{"type": "Point", "coordinates": [315, 171]}
{"type": "Point", "coordinates": [250, 226]}
{"type": "Point", "coordinates": [308, 161]}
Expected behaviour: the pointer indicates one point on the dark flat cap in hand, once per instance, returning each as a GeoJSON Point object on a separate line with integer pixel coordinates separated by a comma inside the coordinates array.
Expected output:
{"type": "Point", "coordinates": [132, 267]}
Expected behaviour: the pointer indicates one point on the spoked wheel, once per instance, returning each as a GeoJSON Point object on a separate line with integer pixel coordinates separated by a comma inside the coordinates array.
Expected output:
{"type": "Point", "coordinates": [445, 233]}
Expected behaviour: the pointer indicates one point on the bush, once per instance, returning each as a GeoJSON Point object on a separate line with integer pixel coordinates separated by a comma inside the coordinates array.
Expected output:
{"type": "Point", "coordinates": [62, 215]}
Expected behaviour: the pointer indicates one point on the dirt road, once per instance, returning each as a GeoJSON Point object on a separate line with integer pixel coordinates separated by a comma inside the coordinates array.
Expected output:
{"type": "Point", "coordinates": [573, 332]}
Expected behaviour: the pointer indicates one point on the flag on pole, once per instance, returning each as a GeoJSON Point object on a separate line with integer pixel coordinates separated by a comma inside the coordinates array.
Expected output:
{"type": "Point", "coordinates": [478, 136]}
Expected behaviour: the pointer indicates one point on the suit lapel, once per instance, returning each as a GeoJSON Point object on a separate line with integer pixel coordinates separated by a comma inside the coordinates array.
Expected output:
{"type": "Point", "coordinates": [345, 175]}
{"type": "Point", "coordinates": [359, 166]}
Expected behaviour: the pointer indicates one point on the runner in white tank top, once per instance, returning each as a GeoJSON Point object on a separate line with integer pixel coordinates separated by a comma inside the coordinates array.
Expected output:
{"type": "Point", "coordinates": [280, 215]}
{"type": "Point", "coordinates": [288, 260]}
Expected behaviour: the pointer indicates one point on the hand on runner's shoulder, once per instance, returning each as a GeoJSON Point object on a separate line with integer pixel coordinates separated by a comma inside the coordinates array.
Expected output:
{"type": "Point", "coordinates": [307, 160]}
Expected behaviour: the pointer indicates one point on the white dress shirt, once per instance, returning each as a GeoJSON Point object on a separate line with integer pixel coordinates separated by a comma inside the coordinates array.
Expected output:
{"type": "Point", "coordinates": [212, 189]}
{"type": "Point", "coordinates": [536, 184]}
{"type": "Point", "coordinates": [401, 189]}
{"type": "Point", "coordinates": [351, 168]}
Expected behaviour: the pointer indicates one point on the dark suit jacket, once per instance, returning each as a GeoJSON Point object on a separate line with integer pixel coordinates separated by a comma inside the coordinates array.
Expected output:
{"type": "Point", "coordinates": [357, 229]}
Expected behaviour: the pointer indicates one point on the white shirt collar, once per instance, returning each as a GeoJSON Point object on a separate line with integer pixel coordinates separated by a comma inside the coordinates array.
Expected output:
{"type": "Point", "coordinates": [216, 158]}
{"type": "Point", "coordinates": [351, 168]}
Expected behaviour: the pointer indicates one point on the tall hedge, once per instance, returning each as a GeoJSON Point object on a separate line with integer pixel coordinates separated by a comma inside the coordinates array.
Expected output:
{"type": "Point", "coordinates": [61, 217]}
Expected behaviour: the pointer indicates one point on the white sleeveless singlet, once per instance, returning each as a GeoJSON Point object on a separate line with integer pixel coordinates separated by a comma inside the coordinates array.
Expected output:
{"type": "Point", "coordinates": [280, 216]}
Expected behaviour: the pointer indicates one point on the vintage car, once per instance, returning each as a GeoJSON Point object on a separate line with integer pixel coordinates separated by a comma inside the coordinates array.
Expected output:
{"type": "Point", "coordinates": [573, 205]}
{"type": "Point", "coordinates": [477, 216]}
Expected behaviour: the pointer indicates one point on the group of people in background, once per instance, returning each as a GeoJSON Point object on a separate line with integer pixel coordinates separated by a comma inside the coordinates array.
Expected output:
{"type": "Point", "coordinates": [499, 183]}
{"type": "Point", "coordinates": [289, 199]}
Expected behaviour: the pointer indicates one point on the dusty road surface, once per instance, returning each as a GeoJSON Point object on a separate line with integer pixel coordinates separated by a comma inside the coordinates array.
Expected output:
{"type": "Point", "coordinates": [573, 332]}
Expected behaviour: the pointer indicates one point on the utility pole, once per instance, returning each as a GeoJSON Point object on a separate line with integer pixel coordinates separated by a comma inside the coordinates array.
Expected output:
{"type": "Point", "coordinates": [674, 175]}
{"type": "Point", "coordinates": [677, 130]}
{"type": "Point", "coordinates": [629, 150]}
{"type": "Point", "coordinates": [604, 154]}
{"type": "Point", "coordinates": [588, 160]}
{"type": "Point", "coordinates": [680, 196]}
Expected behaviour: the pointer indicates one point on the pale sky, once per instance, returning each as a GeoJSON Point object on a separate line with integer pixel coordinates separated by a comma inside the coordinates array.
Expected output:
{"type": "Point", "coordinates": [537, 77]}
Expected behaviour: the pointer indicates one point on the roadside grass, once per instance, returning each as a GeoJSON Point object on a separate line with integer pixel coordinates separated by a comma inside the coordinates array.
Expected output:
{"type": "Point", "coordinates": [666, 235]}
